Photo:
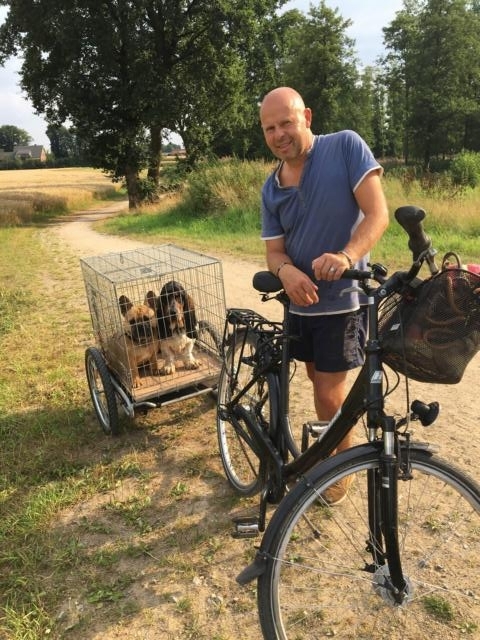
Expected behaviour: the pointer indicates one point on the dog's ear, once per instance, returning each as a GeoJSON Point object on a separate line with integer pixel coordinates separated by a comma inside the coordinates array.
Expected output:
{"type": "Point", "coordinates": [190, 316]}
{"type": "Point", "coordinates": [151, 300]}
{"type": "Point", "coordinates": [125, 304]}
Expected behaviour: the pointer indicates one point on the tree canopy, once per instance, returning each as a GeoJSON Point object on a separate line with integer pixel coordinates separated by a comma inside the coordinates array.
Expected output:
{"type": "Point", "coordinates": [432, 73]}
{"type": "Point", "coordinates": [11, 135]}
{"type": "Point", "coordinates": [122, 72]}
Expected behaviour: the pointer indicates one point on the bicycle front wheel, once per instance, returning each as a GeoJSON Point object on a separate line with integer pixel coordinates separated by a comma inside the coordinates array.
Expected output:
{"type": "Point", "coordinates": [320, 580]}
{"type": "Point", "coordinates": [240, 454]}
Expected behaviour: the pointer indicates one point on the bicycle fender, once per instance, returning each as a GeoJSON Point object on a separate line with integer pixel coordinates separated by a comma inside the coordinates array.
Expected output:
{"type": "Point", "coordinates": [256, 568]}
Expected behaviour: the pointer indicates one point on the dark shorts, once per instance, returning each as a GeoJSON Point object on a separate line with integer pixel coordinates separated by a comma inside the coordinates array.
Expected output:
{"type": "Point", "coordinates": [334, 343]}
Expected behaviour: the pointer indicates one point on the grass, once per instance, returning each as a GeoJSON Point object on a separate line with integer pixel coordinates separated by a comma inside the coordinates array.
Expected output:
{"type": "Point", "coordinates": [98, 535]}
{"type": "Point", "coordinates": [219, 209]}
{"type": "Point", "coordinates": [85, 520]}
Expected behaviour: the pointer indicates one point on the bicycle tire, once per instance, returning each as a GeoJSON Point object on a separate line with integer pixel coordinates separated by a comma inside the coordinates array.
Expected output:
{"type": "Point", "coordinates": [241, 459]}
{"type": "Point", "coordinates": [315, 582]}
{"type": "Point", "coordinates": [102, 392]}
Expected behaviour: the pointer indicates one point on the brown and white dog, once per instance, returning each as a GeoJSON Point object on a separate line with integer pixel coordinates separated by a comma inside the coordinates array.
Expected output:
{"type": "Point", "coordinates": [177, 322]}
{"type": "Point", "coordinates": [138, 344]}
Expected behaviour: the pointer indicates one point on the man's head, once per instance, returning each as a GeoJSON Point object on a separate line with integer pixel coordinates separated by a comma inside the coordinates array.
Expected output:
{"type": "Point", "coordinates": [286, 124]}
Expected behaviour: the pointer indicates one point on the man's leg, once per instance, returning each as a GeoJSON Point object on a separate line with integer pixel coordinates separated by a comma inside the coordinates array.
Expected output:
{"type": "Point", "coordinates": [329, 391]}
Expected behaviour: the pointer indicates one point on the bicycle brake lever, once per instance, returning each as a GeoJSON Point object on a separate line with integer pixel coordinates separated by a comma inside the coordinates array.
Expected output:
{"type": "Point", "coordinates": [353, 289]}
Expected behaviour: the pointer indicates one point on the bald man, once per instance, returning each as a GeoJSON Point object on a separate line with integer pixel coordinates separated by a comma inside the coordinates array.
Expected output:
{"type": "Point", "coordinates": [323, 210]}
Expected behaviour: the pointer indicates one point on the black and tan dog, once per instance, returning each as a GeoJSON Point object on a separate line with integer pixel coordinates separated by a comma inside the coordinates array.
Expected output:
{"type": "Point", "coordinates": [139, 343]}
{"type": "Point", "coordinates": [177, 324]}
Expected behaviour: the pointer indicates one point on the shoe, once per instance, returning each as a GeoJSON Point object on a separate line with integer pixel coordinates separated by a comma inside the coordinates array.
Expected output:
{"type": "Point", "coordinates": [337, 492]}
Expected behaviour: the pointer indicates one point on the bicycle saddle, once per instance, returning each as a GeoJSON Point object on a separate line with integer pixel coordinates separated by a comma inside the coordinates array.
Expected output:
{"type": "Point", "coordinates": [266, 282]}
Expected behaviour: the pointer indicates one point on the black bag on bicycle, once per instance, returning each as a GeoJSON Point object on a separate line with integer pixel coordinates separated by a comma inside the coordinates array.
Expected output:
{"type": "Point", "coordinates": [432, 331]}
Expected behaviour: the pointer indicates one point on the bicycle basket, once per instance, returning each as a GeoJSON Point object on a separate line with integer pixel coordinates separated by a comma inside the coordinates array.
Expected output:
{"type": "Point", "coordinates": [431, 332]}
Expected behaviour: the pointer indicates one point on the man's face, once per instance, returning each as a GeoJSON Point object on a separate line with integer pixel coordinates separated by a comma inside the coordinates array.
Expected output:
{"type": "Point", "coordinates": [286, 128]}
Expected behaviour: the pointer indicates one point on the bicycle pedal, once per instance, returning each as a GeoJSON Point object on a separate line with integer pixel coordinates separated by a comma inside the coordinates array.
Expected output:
{"type": "Point", "coordinates": [317, 428]}
{"type": "Point", "coordinates": [246, 527]}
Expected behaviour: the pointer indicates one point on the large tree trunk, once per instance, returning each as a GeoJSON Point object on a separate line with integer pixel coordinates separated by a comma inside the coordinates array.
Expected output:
{"type": "Point", "coordinates": [155, 156]}
{"type": "Point", "coordinates": [133, 190]}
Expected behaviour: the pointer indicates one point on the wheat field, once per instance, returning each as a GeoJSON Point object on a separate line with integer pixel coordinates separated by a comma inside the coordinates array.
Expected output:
{"type": "Point", "coordinates": [28, 195]}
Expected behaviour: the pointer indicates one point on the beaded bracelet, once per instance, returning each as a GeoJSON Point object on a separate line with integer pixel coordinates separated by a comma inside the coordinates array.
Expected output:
{"type": "Point", "coordinates": [350, 261]}
{"type": "Point", "coordinates": [282, 265]}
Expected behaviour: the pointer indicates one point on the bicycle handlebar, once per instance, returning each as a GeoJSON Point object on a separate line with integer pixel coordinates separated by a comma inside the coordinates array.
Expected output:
{"type": "Point", "coordinates": [410, 218]}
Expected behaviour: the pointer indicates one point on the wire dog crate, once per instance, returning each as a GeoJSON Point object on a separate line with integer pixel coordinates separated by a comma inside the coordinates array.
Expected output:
{"type": "Point", "coordinates": [123, 292]}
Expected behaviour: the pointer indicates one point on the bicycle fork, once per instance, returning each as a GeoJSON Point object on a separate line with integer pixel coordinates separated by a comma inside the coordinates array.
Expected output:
{"type": "Point", "coordinates": [389, 581]}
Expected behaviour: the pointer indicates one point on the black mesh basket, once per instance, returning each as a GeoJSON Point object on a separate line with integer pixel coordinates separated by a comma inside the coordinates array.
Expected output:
{"type": "Point", "coordinates": [432, 331]}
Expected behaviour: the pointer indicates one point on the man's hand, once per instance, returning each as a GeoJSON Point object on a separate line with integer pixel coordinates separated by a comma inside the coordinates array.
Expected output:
{"type": "Point", "coordinates": [330, 266]}
{"type": "Point", "coordinates": [298, 286]}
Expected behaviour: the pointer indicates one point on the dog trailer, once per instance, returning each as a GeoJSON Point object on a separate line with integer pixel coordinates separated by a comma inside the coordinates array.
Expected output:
{"type": "Point", "coordinates": [127, 367]}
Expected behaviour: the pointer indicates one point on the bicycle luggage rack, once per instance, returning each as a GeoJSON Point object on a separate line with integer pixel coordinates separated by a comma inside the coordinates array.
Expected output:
{"type": "Point", "coordinates": [132, 274]}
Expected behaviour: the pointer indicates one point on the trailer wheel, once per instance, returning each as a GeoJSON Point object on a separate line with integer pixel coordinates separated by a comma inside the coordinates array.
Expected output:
{"type": "Point", "coordinates": [102, 391]}
{"type": "Point", "coordinates": [208, 338]}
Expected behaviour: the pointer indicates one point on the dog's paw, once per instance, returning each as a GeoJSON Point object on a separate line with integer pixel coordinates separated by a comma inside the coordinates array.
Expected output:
{"type": "Point", "coordinates": [191, 364]}
{"type": "Point", "coordinates": [167, 370]}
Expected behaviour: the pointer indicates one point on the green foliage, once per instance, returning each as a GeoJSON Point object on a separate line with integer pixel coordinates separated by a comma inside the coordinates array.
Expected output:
{"type": "Point", "coordinates": [219, 208]}
{"type": "Point", "coordinates": [319, 63]}
{"type": "Point", "coordinates": [465, 169]}
{"type": "Point", "coordinates": [123, 72]}
{"type": "Point", "coordinates": [432, 72]}
{"type": "Point", "coordinates": [216, 187]}
{"type": "Point", "coordinates": [438, 607]}
{"type": "Point", "coordinates": [10, 136]}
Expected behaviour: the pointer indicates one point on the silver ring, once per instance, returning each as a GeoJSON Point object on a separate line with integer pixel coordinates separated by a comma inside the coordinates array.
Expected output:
{"type": "Point", "coordinates": [332, 269]}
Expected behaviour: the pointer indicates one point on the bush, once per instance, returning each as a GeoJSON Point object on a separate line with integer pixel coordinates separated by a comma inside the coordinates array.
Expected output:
{"type": "Point", "coordinates": [217, 186]}
{"type": "Point", "coordinates": [465, 169]}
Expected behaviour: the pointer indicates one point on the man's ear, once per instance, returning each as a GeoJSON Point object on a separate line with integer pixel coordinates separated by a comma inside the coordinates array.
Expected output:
{"type": "Point", "coordinates": [308, 117]}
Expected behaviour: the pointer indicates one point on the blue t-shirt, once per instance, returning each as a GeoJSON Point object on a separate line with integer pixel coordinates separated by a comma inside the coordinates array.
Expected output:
{"type": "Point", "coordinates": [321, 213]}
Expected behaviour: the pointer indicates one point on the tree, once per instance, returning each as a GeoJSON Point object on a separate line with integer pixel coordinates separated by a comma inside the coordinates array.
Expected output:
{"type": "Point", "coordinates": [122, 71]}
{"type": "Point", "coordinates": [10, 136]}
{"type": "Point", "coordinates": [400, 39]}
{"type": "Point", "coordinates": [434, 65]}
{"type": "Point", "coordinates": [63, 142]}
{"type": "Point", "coordinates": [447, 69]}
{"type": "Point", "coordinates": [319, 63]}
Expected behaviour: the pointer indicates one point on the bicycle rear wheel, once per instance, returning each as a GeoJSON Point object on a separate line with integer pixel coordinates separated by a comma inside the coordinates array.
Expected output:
{"type": "Point", "coordinates": [319, 580]}
{"type": "Point", "coordinates": [240, 455]}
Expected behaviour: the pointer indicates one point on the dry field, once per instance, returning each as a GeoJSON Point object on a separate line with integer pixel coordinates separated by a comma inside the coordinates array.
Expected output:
{"type": "Point", "coordinates": [30, 194]}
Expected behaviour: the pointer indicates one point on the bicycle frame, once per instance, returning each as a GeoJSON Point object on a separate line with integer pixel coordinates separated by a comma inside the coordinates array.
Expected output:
{"type": "Point", "coordinates": [389, 457]}
{"type": "Point", "coordinates": [366, 397]}
{"type": "Point", "coordinates": [280, 368]}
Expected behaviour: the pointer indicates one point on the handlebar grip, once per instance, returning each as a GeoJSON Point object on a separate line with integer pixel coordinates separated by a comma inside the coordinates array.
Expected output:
{"type": "Point", "coordinates": [410, 218]}
{"type": "Point", "coordinates": [356, 274]}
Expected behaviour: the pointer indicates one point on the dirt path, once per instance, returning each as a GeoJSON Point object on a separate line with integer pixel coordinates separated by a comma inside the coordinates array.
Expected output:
{"type": "Point", "coordinates": [460, 415]}
{"type": "Point", "coordinates": [164, 581]}
{"type": "Point", "coordinates": [78, 234]}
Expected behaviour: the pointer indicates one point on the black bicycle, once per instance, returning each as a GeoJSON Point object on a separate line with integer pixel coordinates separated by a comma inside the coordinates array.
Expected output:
{"type": "Point", "coordinates": [387, 562]}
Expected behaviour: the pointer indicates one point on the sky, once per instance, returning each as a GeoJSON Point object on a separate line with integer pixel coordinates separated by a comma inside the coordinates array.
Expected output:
{"type": "Point", "coordinates": [368, 17]}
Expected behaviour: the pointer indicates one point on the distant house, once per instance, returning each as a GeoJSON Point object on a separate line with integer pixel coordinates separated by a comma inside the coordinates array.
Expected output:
{"type": "Point", "coordinates": [24, 152]}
